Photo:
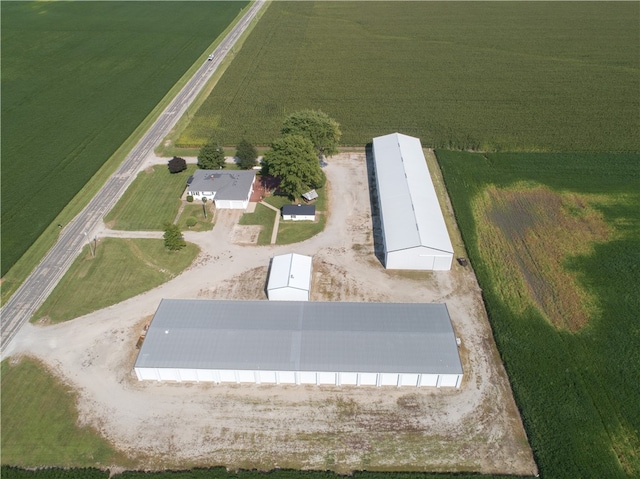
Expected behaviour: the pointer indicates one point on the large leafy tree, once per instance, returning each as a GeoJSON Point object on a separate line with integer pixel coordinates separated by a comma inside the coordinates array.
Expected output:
{"type": "Point", "coordinates": [246, 154]}
{"type": "Point", "coordinates": [315, 125]}
{"type": "Point", "coordinates": [173, 239]}
{"type": "Point", "coordinates": [211, 156]}
{"type": "Point", "coordinates": [293, 159]}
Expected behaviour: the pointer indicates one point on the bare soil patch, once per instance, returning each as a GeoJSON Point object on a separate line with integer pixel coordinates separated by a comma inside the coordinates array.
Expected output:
{"type": "Point", "coordinates": [246, 234]}
{"type": "Point", "coordinates": [475, 428]}
{"type": "Point", "coordinates": [530, 233]}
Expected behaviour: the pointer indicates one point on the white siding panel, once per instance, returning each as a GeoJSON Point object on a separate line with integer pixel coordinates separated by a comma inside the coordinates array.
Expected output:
{"type": "Point", "coordinates": [167, 374]}
{"type": "Point", "coordinates": [268, 377]}
{"type": "Point", "coordinates": [350, 379]}
{"type": "Point", "coordinates": [389, 379]}
{"type": "Point", "coordinates": [408, 379]}
{"type": "Point", "coordinates": [148, 374]}
{"type": "Point", "coordinates": [288, 294]}
{"type": "Point", "coordinates": [368, 379]}
{"type": "Point", "coordinates": [188, 374]}
{"type": "Point", "coordinates": [246, 376]}
{"type": "Point", "coordinates": [307, 377]}
{"type": "Point", "coordinates": [286, 377]}
{"type": "Point", "coordinates": [443, 263]}
{"type": "Point", "coordinates": [326, 378]}
{"type": "Point", "coordinates": [448, 380]}
{"type": "Point", "coordinates": [429, 380]}
{"type": "Point", "coordinates": [207, 375]}
{"type": "Point", "coordinates": [227, 376]}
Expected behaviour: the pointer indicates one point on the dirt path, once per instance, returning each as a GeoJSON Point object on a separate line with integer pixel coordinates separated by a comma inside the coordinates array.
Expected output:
{"type": "Point", "coordinates": [475, 428]}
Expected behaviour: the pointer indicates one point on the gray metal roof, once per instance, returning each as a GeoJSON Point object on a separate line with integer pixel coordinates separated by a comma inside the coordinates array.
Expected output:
{"type": "Point", "coordinates": [299, 210]}
{"type": "Point", "coordinates": [410, 209]}
{"type": "Point", "coordinates": [227, 185]}
{"type": "Point", "coordinates": [301, 336]}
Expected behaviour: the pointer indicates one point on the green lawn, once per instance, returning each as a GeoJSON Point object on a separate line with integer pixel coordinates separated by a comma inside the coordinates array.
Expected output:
{"type": "Point", "coordinates": [510, 76]}
{"type": "Point", "coordinates": [196, 212]}
{"type": "Point", "coordinates": [578, 215]}
{"type": "Point", "coordinates": [121, 269]}
{"type": "Point", "coordinates": [296, 231]}
{"type": "Point", "coordinates": [39, 423]}
{"type": "Point", "coordinates": [261, 216]}
{"type": "Point", "coordinates": [77, 79]}
{"type": "Point", "coordinates": [151, 200]}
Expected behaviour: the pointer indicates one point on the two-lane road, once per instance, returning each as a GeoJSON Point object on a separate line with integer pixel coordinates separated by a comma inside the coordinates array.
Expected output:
{"type": "Point", "coordinates": [46, 275]}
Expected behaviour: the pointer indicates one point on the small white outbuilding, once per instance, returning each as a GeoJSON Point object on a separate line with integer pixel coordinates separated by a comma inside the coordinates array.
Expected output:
{"type": "Point", "coordinates": [290, 278]}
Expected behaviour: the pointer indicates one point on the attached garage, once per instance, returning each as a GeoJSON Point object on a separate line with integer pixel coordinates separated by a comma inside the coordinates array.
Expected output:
{"type": "Point", "coordinates": [289, 278]}
{"type": "Point", "coordinates": [414, 233]}
{"type": "Point", "coordinates": [296, 342]}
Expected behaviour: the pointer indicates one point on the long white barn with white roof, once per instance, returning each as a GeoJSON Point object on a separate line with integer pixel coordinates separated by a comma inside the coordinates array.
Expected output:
{"type": "Point", "coordinates": [414, 232]}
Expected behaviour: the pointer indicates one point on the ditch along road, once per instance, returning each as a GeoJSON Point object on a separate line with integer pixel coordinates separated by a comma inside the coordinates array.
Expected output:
{"type": "Point", "coordinates": [32, 293]}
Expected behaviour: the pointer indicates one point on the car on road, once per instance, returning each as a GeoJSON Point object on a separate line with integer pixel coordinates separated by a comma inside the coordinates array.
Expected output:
{"type": "Point", "coordinates": [210, 57]}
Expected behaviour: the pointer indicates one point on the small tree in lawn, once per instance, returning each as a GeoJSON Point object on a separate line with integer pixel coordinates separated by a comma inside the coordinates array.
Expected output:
{"type": "Point", "coordinates": [177, 164]}
{"type": "Point", "coordinates": [246, 154]}
{"type": "Point", "coordinates": [173, 239]}
{"type": "Point", "coordinates": [293, 159]}
{"type": "Point", "coordinates": [323, 131]}
{"type": "Point", "coordinates": [211, 156]}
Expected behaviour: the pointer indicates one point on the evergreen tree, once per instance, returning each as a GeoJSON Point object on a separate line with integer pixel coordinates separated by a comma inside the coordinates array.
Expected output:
{"type": "Point", "coordinates": [173, 239]}
{"type": "Point", "coordinates": [246, 154]}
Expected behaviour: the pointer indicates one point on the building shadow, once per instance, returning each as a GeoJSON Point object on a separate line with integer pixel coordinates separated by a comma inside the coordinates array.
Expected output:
{"type": "Point", "coordinates": [376, 223]}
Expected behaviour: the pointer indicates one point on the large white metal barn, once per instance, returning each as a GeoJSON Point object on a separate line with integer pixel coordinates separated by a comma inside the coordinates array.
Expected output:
{"type": "Point", "coordinates": [290, 278]}
{"type": "Point", "coordinates": [297, 342]}
{"type": "Point", "coordinates": [414, 233]}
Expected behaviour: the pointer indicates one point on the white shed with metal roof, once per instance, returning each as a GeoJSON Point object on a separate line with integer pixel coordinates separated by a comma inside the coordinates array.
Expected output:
{"type": "Point", "coordinates": [414, 233]}
{"type": "Point", "coordinates": [290, 278]}
{"type": "Point", "coordinates": [297, 342]}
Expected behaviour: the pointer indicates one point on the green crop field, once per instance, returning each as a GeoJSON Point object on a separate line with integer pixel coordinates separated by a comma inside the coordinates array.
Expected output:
{"type": "Point", "coordinates": [509, 76]}
{"type": "Point", "coordinates": [77, 79]}
{"type": "Point", "coordinates": [555, 242]}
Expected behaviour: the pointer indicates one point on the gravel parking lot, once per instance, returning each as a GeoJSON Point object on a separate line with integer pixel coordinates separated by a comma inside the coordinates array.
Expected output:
{"type": "Point", "coordinates": [475, 428]}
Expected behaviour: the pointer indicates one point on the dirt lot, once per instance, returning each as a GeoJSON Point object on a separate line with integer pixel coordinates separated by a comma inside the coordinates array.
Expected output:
{"type": "Point", "coordinates": [475, 428]}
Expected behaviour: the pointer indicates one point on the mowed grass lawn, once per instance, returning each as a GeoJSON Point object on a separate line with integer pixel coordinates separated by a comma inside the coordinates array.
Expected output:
{"type": "Point", "coordinates": [121, 269]}
{"type": "Point", "coordinates": [555, 242]}
{"type": "Point", "coordinates": [77, 79]}
{"type": "Point", "coordinates": [510, 76]}
{"type": "Point", "coordinates": [152, 199]}
{"type": "Point", "coordinates": [39, 423]}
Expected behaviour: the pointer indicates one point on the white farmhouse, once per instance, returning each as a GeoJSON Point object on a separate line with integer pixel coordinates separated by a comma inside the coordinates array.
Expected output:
{"type": "Point", "coordinates": [228, 189]}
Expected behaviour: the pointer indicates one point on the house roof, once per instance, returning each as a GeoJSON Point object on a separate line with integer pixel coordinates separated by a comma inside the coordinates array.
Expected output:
{"type": "Point", "coordinates": [227, 185]}
{"type": "Point", "coordinates": [301, 336]}
{"type": "Point", "coordinates": [290, 271]}
{"type": "Point", "coordinates": [303, 210]}
{"type": "Point", "coordinates": [409, 206]}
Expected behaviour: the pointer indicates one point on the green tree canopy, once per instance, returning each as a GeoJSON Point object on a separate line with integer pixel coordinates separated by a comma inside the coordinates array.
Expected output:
{"type": "Point", "coordinates": [246, 154]}
{"type": "Point", "coordinates": [323, 131]}
{"type": "Point", "coordinates": [293, 159]}
{"type": "Point", "coordinates": [173, 239]}
{"type": "Point", "coordinates": [211, 156]}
